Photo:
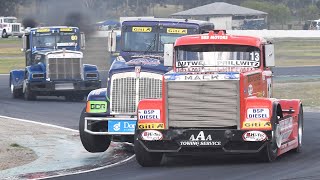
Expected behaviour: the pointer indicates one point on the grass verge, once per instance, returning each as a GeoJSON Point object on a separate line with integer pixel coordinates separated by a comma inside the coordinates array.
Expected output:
{"type": "Point", "coordinates": [6, 65]}
{"type": "Point", "coordinates": [308, 92]}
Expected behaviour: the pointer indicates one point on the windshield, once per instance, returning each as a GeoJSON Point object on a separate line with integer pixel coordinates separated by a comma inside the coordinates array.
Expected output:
{"type": "Point", "coordinates": [217, 56]}
{"type": "Point", "coordinates": [151, 39]}
{"type": "Point", "coordinates": [10, 20]}
{"type": "Point", "coordinates": [55, 39]}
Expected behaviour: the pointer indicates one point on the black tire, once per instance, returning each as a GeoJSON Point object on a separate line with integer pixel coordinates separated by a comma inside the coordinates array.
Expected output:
{"type": "Point", "coordinates": [300, 131]}
{"type": "Point", "coordinates": [15, 93]}
{"type": "Point", "coordinates": [270, 152]}
{"type": "Point", "coordinates": [29, 95]}
{"type": "Point", "coordinates": [92, 143]}
{"type": "Point", "coordinates": [145, 158]}
{"type": "Point", "coordinates": [4, 34]}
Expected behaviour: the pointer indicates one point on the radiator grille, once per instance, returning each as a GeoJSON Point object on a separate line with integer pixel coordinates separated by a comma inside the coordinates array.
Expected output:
{"type": "Point", "coordinates": [15, 28]}
{"type": "Point", "coordinates": [203, 103]}
{"type": "Point", "coordinates": [127, 91]}
{"type": "Point", "coordinates": [64, 68]}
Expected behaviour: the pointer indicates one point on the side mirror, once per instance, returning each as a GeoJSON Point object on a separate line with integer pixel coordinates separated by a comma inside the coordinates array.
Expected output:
{"type": "Point", "coordinates": [168, 54]}
{"type": "Point", "coordinates": [269, 55]}
{"type": "Point", "coordinates": [24, 43]}
{"type": "Point", "coordinates": [112, 41]}
{"type": "Point", "coordinates": [83, 40]}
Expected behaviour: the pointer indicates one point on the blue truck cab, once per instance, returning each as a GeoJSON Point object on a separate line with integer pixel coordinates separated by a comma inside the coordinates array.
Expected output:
{"type": "Point", "coordinates": [54, 65]}
{"type": "Point", "coordinates": [111, 113]}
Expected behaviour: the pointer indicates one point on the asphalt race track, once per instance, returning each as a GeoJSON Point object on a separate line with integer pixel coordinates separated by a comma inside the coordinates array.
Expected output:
{"type": "Point", "coordinates": [304, 165]}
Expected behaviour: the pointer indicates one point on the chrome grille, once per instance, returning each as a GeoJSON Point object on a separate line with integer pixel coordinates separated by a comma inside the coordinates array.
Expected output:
{"type": "Point", "coordinates": [203, 103]}
{"type": "Point", "coordinates": [15, 28]}
{"type": "Point", "coordinates": [127, 91]}
{"type": "Point", "coordinates": [64, 68]}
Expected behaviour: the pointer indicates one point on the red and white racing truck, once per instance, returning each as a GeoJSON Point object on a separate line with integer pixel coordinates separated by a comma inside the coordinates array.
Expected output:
{"type": "Point", "coordinates": [218, 98]}
{"type": "Point", "coordinates": [10, 27]}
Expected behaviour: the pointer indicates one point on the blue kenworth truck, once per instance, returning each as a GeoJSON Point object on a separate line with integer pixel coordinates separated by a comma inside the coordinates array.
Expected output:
{"type": "Point", "coordinates": [54, 65]}
{"type": "Point", "coordinates": [111, 113]}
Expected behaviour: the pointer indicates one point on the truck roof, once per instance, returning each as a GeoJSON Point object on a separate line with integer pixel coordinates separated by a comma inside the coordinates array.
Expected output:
{"type": "Point", "coordinates": [219, 37]}
{"type": "Point", "coordinates": [169, 20]}
{"type": "Point", "coordinates": [52, 27]}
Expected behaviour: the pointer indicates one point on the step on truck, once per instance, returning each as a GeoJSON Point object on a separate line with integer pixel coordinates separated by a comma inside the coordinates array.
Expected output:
{"type": "Point", "coordinates": [217, 99]}
{"type": "Point", "coordinates": [54, 65]}
{"type": "Point", "coordinates": [110, 113]}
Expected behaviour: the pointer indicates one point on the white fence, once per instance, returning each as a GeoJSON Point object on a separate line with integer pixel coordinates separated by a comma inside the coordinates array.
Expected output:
{"type": "Point", "coordinates": [260, 33]}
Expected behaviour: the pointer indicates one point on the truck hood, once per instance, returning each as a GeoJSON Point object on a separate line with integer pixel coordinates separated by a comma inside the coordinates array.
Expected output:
{"type": "Point", "coordinates": [153, 63]}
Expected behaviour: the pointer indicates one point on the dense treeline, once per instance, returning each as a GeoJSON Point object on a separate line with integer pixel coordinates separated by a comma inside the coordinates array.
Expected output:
{"type": "Point", "coordinates": [280, 11]}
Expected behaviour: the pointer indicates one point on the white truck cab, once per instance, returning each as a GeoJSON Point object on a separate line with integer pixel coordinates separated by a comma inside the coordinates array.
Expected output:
{"type": "Point", "coordinates": [10, 27]}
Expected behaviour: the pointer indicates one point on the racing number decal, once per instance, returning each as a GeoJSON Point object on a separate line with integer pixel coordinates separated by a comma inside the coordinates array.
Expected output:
{"type": "Point", "coordinates": [74, 37]}
{"type": "Point", "coordinates": [255, 56]}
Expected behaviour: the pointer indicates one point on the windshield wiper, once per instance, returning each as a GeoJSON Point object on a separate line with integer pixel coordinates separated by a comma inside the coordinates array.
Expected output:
{"type": "Point", "coordinates": [152, 44]}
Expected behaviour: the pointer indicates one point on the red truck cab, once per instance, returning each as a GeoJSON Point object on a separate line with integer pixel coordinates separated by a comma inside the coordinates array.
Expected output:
{"type": "Point", "coordinates": [218, 98]}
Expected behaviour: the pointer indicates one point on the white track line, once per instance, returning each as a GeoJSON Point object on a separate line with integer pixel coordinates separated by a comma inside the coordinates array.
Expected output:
{"type": "Point", "coordinates": [4, 74]}
{"type": "Point", "coordinates": [72, 130]}
{"type": "Point", "coordinates": [39, 123]}
{"type": "Point", "coordinates": [91, 170]}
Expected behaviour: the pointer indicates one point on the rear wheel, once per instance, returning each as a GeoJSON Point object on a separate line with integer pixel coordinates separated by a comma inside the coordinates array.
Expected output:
{"type": "Point", "coordinates": [300, 130]}
{"type": "Point", "coordinates": [15, 93]}
{"type": "Point", "coordinates": [145, 158]}
{"type": "Point", "coordinates": [92, 143]}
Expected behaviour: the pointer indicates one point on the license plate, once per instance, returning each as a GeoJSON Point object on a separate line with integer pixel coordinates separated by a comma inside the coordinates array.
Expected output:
{"type": "Point", "coordinates": [64, 86]}
{"type": "Point", "coordinates": [121, 126]}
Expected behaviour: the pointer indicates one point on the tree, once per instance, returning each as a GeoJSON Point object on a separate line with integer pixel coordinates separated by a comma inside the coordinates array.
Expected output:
{"type": "Point", "coordinates": [9, 8]}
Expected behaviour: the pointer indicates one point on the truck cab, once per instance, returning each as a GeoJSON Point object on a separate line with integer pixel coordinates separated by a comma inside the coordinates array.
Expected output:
{"type": "Point", "coordinates": [9, 26]}
{"type": "Point", "coordinates": [54, 65]}
{"type": "Point", "coordinates": [217, 99]}
{"type": "Point", "coordinates": [135, 74]}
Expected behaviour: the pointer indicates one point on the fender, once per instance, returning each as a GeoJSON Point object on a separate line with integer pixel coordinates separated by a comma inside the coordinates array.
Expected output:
{"type": "Point", "coordinates": [89, 67]}
{"type": "Point", "coordinates": [290, 106]}
{"type": "Point", "coordinates": [16, 77]}
{"type": "Point", "coordinates": [258, 113]}
{"type": "Point", "coordinates": [151, 114]}
{"type": "Point", "coordinates": [99, 100]}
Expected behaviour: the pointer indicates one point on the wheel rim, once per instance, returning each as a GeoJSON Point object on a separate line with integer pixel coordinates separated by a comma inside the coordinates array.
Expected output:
{"type": "Point", "coordinates": [11, 88]}
{"type": "Point", "coordinates": [300, 131]}
{"type": "Point", "coordinates": [278, 136]}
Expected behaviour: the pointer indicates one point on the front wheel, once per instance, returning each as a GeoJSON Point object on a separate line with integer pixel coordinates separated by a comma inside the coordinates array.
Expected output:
{"type": "Point", "coordinates": [29, 95]}
{"type": "Point", "coordinates": [145, 158]}
{"type": "Point", "coordinates": [92, 143]}
{"type": "Point", "coordinates": [270, 152]}
{"type": "Point", "coordinates": [4, 34]}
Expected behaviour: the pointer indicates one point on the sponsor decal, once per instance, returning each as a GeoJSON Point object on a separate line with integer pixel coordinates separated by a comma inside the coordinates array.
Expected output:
{"type": "Point", "coordinates": [151, 135]}
{"type": "Point", "coordinates": [142, 61]}
{"type": "Point", "coordinates": [200, 139]}
{"type": "Point", "coordinates": [214, 37]}
{"type": "Point", "coordinates": [141, 29]}
{"type": "Point", "coordinates": [151, 126]}
{"type": "Point", "coordinates": [217, 69]}
{"type": "Point", "coordinates": [149, 114]}
{"type": "Point", "coordinates": [258, 113]}
{"type": "Point", "coordinates": [66, 29]}
{"type": "Point", "coordinates": [67, 44]}
{"type": "Point", "coordinates": [43, 30]}
{"type": "Point", "coordinates": [121, 126]}
{"type": "Point", "coordinates": [225, 63]}
{"type": "Point", "coordinates": [254, 78]}
{"type": "Point", "coordinates": [176, 31]}
{"type": "Point", "coordinates": [257, 124]}
{"type": "Point", "coordinates": [254, 136]}
{"type": "Point", "coordinates": [286, 127]}
{"type": "Point", "coordinates": [97, 106]}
